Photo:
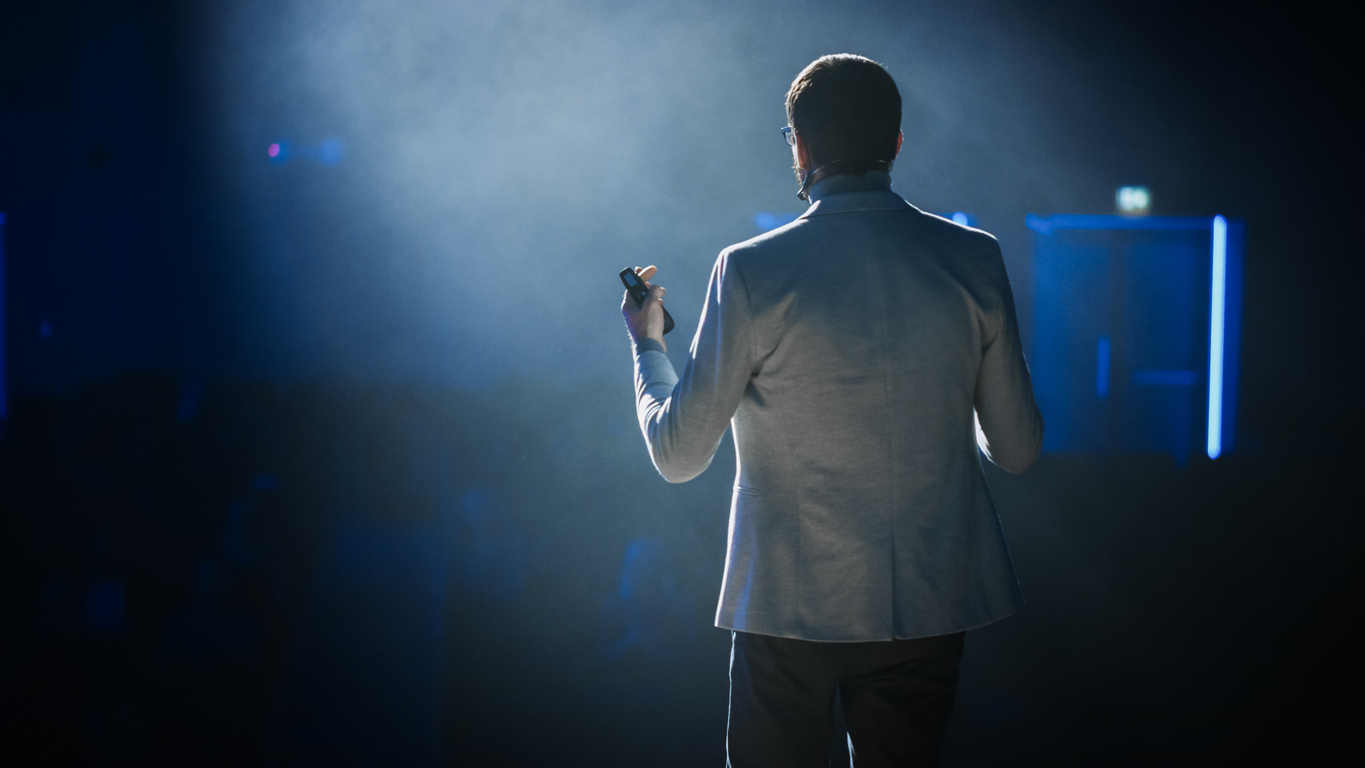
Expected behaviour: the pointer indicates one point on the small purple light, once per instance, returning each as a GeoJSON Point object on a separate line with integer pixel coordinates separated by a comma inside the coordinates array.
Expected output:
{"type": "Point", "coordinates": [273, 150]}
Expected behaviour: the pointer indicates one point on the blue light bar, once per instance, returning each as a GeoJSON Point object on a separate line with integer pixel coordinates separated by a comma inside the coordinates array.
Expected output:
{"type": "Point", "coordinates": [1217, 311]}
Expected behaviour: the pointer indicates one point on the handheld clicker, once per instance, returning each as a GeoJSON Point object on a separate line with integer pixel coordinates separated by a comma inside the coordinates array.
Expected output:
{"type": "Point", "coordinates": [638, 291]}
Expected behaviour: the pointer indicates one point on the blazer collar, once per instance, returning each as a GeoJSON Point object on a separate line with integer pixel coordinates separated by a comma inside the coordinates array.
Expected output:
{"type": "Point", "coordinates": [846, 193]}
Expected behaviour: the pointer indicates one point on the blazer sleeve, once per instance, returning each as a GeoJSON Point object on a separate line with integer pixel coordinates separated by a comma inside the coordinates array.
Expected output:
{"type": "Point", "coordinates": [684, 418]}
{"type": "Point", "coordinates": [1010, 427]}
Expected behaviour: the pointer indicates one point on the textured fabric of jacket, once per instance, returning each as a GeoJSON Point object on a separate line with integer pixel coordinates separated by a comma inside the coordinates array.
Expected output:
{"type": "Point", "coordinates": [853, 353]}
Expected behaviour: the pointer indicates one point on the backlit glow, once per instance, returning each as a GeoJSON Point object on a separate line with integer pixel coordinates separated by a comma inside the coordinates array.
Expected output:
{"type": "Point", "coordinates": [1217, 310]}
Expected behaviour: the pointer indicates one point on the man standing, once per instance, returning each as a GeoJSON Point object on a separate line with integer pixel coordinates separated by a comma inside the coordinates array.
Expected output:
{"type": "Point", "coordinates": [860, 355]}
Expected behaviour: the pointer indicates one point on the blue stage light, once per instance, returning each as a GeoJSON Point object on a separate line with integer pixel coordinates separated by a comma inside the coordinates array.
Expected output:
{"type": "Point", "coordinates": [329, 152]}
{"type": "Point", "coordinates": [1217, 311]}
{"type": "Point", "coordinates": [766, 221]}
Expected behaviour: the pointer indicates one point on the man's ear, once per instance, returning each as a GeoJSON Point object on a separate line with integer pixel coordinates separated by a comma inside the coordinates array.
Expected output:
{"type": "Point", "coordinates": [900, 137]}
{"type": "Point", "coordinates": [802, 153]}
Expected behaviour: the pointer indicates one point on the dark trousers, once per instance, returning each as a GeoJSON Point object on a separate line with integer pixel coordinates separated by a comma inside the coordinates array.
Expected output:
{"type": "Point", "coordinates": [897, 697]}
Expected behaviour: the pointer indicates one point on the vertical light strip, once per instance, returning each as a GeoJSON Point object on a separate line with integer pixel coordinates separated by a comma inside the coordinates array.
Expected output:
{"type": "Point", "coordinates": [1217, 310]}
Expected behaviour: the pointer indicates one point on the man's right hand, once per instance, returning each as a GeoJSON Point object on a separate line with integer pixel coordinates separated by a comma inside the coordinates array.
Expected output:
{"type": "Point", "coordinates": [646, 321]}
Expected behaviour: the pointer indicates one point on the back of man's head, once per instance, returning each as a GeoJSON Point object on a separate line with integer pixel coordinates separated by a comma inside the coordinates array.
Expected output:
{"type": "Point", "coordinates": [847, 110]}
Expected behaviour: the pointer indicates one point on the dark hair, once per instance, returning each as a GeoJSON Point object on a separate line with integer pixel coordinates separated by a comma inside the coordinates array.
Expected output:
{"type": "Point", "coordinates": [847, 110]}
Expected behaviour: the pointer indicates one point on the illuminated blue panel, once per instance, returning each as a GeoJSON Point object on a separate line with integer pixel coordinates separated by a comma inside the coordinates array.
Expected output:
{"type": "Point", "coordinates": [1159, 339]}
{"type": "Point", "coordinates": [1136, 331]}
{"type": "Point", "coordinates": [1072, 313]}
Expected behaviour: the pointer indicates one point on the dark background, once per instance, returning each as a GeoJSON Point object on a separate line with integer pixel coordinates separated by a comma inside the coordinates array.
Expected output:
{"type": "Point", "coordinates": [330, 459]}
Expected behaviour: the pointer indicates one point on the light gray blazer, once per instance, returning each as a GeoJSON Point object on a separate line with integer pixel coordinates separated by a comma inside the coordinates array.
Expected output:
{"type": "Point", "coordinates": [848, 352]}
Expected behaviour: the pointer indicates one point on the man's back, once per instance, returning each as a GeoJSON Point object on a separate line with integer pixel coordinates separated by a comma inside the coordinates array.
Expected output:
{"type": "Point", "coordinates": [852, 348]}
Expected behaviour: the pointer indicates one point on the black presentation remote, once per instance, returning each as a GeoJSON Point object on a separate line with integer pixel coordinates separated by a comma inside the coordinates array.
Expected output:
{"type": "Point", "coordinates": [639, 292]}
